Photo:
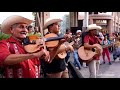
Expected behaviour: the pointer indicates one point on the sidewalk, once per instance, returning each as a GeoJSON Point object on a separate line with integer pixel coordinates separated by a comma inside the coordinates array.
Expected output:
{"type": "Point", "coordinates": [105, 71]}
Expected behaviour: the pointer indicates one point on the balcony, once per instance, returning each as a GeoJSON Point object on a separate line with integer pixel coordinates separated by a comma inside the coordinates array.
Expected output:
{"type": "Point", "coordinates": [101, 16]}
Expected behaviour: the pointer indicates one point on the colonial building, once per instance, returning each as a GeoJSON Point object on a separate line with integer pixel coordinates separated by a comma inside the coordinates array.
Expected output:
{"type": "Point", "coordinates": [43, 16]}
{"type": "Point", "coordinates": [109, 21]}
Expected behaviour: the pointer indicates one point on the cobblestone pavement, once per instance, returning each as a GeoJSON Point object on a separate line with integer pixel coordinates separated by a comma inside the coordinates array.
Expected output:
{"type": "Point", "coordinates": [106, 70]}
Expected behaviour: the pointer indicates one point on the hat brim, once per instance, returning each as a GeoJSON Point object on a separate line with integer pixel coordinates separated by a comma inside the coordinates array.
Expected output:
{"type": "Point", "coordinates": [51, 22]}
{"type": "Point", "coordinates": [94, 28]}
{"type": "Point", "coordinates": [6, 24]}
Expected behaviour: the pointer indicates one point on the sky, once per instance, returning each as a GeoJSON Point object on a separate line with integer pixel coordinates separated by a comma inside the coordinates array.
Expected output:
{"type": "Point", "coordinates": [4, 15]}
{"type": "Point", "coordinates": [58, 14]}
{"type": "Point", "coordinates": [29, 15]}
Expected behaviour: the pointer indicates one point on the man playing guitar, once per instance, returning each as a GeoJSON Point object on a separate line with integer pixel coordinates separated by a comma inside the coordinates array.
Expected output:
{"type": "Point", "coordinates": [89, 43]}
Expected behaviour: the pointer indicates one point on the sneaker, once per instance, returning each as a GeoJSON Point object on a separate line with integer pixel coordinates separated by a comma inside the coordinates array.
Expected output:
{"type": "Point", "coordinates": [115, 58]}
{"type": "Point", "coordinates": [77, 68]}
{"type": "Point", "coordinates": [110, 63]}
{"type": "Point", "coordinates": [104, 62]}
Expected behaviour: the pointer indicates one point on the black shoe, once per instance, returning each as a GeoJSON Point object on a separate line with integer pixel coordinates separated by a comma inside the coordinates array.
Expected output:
{"type": "Point", "coordinates": [114, 59]}
{"type": "Point", "coordinates": [110, 63]}
{"type": "Point", "coordinates": [103, 62]}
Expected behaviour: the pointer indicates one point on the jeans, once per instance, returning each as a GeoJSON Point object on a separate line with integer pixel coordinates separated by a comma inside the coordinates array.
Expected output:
{"type": "Point", "coordinates": [67, 57]}
{"type": "Point", "coordinates": [76, 59]}
{"type": "Point", "coordinates": [116, 53]}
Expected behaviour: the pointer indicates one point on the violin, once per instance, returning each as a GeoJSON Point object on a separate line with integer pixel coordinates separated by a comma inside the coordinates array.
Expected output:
{"type": "Point", "coordinates": [33, 43]}
{"type": "Point", "coordinates": [62, 52]}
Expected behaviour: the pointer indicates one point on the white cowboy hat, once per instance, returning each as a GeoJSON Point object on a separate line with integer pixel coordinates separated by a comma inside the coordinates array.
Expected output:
{"type": "Point", "coordinates": [6, 24]}
{"type": "Point", "coordinates": [50, 21]}
{"type": "Point", "coordinates": [93, 26]}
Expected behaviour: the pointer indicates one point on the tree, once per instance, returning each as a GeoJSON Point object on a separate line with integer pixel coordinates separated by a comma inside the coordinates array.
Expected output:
{"type": "Point", "coordinates": [4, 36]}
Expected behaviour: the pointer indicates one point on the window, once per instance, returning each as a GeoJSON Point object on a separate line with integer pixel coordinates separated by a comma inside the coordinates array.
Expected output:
{"type": "Point", "coordinates": [102, 12]}
{"type": "Point", "coordinates": [95, 12]}
{"type": "Point", "coordinates": [90, 12]}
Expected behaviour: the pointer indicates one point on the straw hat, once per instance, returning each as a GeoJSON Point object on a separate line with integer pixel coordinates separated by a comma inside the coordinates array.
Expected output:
{"type": "Point", "coordinates": [51, 21]}
{"type": "Point", "coordinates": [78, 31]}
{"type": "Point", "coordinates": [6, 24]}
{"type": "Point", "coordinates": [93, 26]}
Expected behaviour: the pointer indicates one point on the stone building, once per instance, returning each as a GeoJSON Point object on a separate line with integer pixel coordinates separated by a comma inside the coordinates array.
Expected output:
{"type": "Point", "coordinates": [109, 21]}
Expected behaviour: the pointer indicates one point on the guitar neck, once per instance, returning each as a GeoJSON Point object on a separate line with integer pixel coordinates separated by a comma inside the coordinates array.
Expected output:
{"type": "Point", "coordinates": [105, 46]}
{"type": "Point", "coordinates": [53, 38]}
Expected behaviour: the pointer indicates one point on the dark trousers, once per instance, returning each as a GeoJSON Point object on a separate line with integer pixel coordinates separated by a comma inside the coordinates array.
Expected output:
{"type": "Point", "coordinates": [67, 57]}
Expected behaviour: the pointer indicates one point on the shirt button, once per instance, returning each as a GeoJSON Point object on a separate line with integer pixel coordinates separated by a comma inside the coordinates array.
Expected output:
{"type": "Point", "coordinates": [29, 69]}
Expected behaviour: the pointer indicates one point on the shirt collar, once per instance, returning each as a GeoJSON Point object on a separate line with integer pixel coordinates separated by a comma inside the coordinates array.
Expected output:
{"type": "Point", "coordinates": [13, 40]}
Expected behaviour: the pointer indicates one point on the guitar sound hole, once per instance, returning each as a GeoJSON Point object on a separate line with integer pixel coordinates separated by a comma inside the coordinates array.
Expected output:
{"type": "Point", "coordinates": [93, 49]}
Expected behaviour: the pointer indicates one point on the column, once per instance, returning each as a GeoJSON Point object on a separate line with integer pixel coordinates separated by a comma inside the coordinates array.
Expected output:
{"type": "Point", "coordinates": [85, 21]}
{"type": "Point", "coordinates": [91, 20]}
{"type": "Point", "coordinates": [73, 19]}
{"type": "Point", "coordinates": [110, 26]}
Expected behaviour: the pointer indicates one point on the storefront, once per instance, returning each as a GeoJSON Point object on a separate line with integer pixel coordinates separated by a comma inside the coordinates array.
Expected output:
{"type": "Point", "coordinates": [104, 21]}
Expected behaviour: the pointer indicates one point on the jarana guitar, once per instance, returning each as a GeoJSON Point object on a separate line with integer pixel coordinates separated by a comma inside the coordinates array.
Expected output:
{"type": "Point", "coordinates": [87, 54]}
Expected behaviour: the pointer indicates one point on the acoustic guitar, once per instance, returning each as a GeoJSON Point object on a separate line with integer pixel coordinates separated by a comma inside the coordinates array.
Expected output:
{"type": "Point", "coordinates": [63, 54]}
{"type": "Point", "coordinates": [87, 54]}
{"type": "Point", "coordinates": [107, 46]}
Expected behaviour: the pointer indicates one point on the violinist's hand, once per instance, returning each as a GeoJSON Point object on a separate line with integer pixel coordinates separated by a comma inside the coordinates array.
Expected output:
{"type": "Point", "coordinates": [67, 36]}
{"type": "Point", "coordinates": [61, 41]}
{"type": "Point", "coordinates": [43, 54]}
{"type": "Point", "coordinates": [46, 56]}
{"type": "Point", "coordinates": [70, 47]}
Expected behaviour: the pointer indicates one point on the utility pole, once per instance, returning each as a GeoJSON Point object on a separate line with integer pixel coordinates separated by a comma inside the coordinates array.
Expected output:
{"type": "Point", "coordinates": [85, 21]}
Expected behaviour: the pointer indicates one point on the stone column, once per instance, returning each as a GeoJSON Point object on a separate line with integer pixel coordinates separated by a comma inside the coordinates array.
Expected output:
{"type": "Point", "coordinates": [73, 19]}
{"type": "Point", "coordinates": [91, 20]}
{"type": "Point", "coordinates": [110, 26]}
{"type": "Point", "coordinates": [85, 21]}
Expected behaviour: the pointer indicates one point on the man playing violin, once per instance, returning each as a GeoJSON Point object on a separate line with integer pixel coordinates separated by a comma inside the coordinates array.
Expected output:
{"type": "Point", "coordinates": [57, 68]}
{"type": "Point", "coordinates": [89, 40]}
{"type": "Point", "coordinates": [17, 63]}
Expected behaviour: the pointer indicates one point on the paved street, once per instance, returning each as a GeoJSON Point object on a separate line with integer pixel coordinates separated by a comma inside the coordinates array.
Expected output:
{"type": "Point", "coordinates": [105, 71]}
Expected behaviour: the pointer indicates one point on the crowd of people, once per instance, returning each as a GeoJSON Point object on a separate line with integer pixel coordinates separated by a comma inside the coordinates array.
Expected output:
{"type": "Point", "coordinates": [51, 57]}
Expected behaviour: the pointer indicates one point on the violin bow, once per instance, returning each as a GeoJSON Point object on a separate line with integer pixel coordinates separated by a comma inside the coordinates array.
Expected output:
{"type": "Point", "coordinates": [41, 30]}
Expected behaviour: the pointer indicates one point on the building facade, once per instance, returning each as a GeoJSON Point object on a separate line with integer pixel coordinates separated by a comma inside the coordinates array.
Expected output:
{"type": "Point", "coordinates": [65, 24]}
{"type": "Point", "coordinates": [109, 21]}
{"type": "Point", "coordinates": [42, 16]}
